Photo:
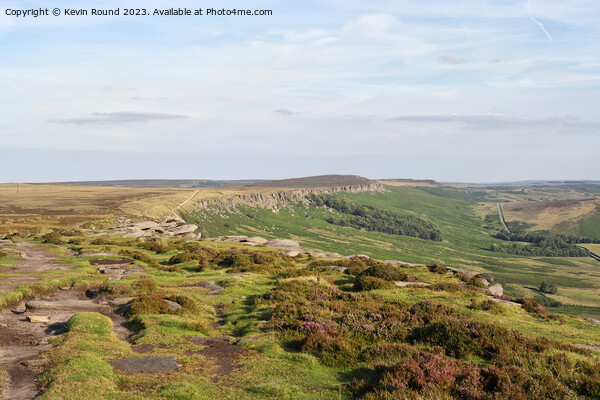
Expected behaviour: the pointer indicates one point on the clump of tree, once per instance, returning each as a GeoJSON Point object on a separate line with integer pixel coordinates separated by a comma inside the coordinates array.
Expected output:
{"type": "Point", "coordinates": [541, 236]}
{"type": "Point", "coordinates": [549, 246]}
{"type": "Point", "coordinates": [362, 216]}
{"type": "Point", "coordinates": [548, 288]}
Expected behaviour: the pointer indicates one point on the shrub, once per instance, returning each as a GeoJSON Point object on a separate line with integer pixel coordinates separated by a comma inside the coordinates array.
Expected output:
{"type": "Point", "coordinates": [362, 283]}
{"type": "Point", "coordinates": [145, 285]}
{"type": "Point", "coordinates": [137, 255]}
{"type": "Point", "coordinates": [53, 237]}
{"type": "Point", "coordinates": [548, 288]}
{"type": "Point", "coordinates": [437, 269]}
{"type": "Point", "coordinates": [147, 304]}
{"type": "Point", "coordinates": [487, 305]}
{"type": "Point", "coordinates": [388, 272]}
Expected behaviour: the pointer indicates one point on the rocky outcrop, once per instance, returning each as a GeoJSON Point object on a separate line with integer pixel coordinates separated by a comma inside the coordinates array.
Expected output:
{"type": "Point", "coordinates": [170, 226]}
{"type": "Point", "coordinates": [275, 200]}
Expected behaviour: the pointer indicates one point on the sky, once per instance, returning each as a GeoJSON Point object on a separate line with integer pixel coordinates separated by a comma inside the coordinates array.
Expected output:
{"type": "Point", "coordinates": [461, 91]}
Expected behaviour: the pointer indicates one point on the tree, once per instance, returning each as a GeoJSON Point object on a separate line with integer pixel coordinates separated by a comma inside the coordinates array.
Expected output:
{"type": "Point", "coordinates": [548, 288]}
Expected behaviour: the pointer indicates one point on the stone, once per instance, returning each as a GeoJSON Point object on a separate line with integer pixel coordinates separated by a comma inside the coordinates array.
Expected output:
{"type": "Point", "coordinates": [284, 245]}
{"type": "Point", "coordinates": [36, 319]}
{"type": "Point", "coordinates": [292, 253]}
{"type": "Point", "coordinates": [146, 365]}
{"type": "Point", "coordinates": [405, 284]}
{"type": "Point", "coordinates": [62, 305]}
{"type": "Point", "coordinates": [134, 270]}
{"type": "Point", "coordinates": [256, 240]}
{"type": "Point", "coordinates": [243, 297]}
{"type": "Point", "coordinates": [145, 225]}
{"type": "Point", "coordinates": [121, 300]}
{"type": "Point", "coordinates": [173, 306]}
{"type": "Point", "coordinates": [183, 229]}
{"type": "Point", "coordinates": [209, 339]}
{"type": "Point", "coordinates": [496, 290]}
{"type": "Point", "coordinates": [211, 286]}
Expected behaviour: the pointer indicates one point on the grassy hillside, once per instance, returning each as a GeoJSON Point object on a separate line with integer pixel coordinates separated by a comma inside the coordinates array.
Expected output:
{"type": "Point", "coordinates": [289, 328]}
{"type": "Point", "coordinates": [465, 224]}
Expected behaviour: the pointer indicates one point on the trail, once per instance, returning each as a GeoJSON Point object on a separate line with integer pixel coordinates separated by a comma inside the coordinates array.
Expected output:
{"type": "Point", "coordinates": [174, 211]}
{"type": "Point", "coordinates": [22, 343]}
{"type": "Point", "coordinates": [501, 214]}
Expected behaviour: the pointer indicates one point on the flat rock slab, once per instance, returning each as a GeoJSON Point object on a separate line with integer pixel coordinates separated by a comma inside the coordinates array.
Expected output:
{"type": "Point", "coordinates": [62, 305]}
{"type": "Point", "coordinates": [405, 284]}
{"type": "Point", "coordinates": [146, 365]}
{"type": "Point", "coordinates": [36, 319]}
{"type": "Point", "coordinates": [211, 286]}
{"type": "Point", "coordinates": [211, 339]}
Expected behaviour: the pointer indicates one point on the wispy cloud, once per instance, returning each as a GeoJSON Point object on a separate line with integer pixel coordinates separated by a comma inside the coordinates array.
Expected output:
{"type": "Point", "coordinates": [283, 111]}
{"type": "Point", "coordinates": [117, 118]}
{"type": "Point", "coordinates": [450, 59]}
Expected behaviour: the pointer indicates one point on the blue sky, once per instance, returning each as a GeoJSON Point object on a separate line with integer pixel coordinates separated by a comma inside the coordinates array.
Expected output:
{"type": "Point", "coordinates": [454, 91]}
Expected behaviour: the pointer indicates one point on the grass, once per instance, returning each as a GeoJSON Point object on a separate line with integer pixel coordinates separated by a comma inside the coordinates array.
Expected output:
{"type": "Point", "coordinates": [271, 368]}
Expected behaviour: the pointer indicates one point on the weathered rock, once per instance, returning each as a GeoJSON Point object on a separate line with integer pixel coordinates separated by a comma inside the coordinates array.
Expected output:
{"type": "Point", "coordinates": [173, 306]}
{"type": "Point", "coordinates": [210, 339]}
{"type": "Point", "coordinates": [121, 300]}
{"type": "Point", "coordinates": [496, 290]}
{"type": "Point", "coordinates": [36, 319]}
{"type": "Point", "coordinates": [256, 240]}
{"type": "Point", "coordinates": [146, 365]}
{"type": "Point", "coordinates": [62, 305]}
{"type": "Point", "coordinates": [292, 253]}
{"type": "Point", "coordinates": [211, 286]}
{"type": "Point", "coordinates": [284, 245]}
{"type": "Point", "coordinates": [145, 225]}
{"type": "Point", "coordinates": [405, 284]}
{"type": "Point", "coordinates": [183, 229]}
{"type": "Point", "coordinates": [337, 268]}
{"type": "Point", "coordinates": [134, 270]}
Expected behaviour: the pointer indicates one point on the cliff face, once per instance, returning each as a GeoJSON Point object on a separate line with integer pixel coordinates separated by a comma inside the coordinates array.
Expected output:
{"type": "Point", "coordinates": [275, 200]}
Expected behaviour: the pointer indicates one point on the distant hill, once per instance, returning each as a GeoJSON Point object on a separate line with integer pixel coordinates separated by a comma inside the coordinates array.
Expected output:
{"type": "Point", "coordinates": [409, 182]}
{"type": "Point", "coordinates": [163, 183]}
{"type": "Point", "coordinates": [316, 181]}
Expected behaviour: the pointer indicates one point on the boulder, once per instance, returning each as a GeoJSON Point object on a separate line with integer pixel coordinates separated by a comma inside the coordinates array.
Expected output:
{"type": "Point", "coordinates": [496, 290]}
{"type": "Point", "coordinates": [173, 306]}
{"type": "Point", "coordinates": [38, 319]}
{"type": "Point", "coordinates": [284, 245]}
{"type": "Point", "coordinates": [145, 225]}
{"type": "Point", "coordinates": [256, 240]}
{"type": "Point", "coordinates": [292, 253]}
{"type": "Point", "coordinates": [183, 229]}
{"type": "Point", "coordinates": [211, 286]}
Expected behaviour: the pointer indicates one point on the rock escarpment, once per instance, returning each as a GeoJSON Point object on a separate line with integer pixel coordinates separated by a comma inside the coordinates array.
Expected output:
{"type": "Point", "coordinates": [274, 201]}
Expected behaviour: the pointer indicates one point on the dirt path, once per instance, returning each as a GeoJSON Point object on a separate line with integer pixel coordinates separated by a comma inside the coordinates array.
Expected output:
{"type": "Point", "coordinates": [501, 214]}
{"type": "Point", "coordinates": [174, 212]}
{"type": "Point", "coordinates": [33, 259]}
{"type": "Point", "coordinates": [22, 342]}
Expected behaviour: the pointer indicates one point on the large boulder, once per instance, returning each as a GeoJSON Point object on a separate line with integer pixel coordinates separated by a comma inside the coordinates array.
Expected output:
{"type": "Point", "coordinates": [285, 245]}
{"type": "Point", "coordinates": [184, 229]}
